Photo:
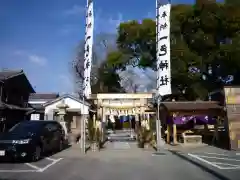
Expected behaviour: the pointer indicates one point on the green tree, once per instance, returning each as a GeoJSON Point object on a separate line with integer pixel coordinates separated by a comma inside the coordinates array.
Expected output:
{"type": "Point", "coordinates": [204, 46]}
{"type": "Point", "coordinates": [212, 32]}
{"type": "Point", "coordinates": [108, 80]}
{"type": "Point", "coordinates": [232, 2]}
{"type": "Point", "coordinates": [137, 47]}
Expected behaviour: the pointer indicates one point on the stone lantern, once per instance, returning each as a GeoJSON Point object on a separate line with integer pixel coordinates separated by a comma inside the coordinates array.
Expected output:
{"type": "Point", "coordinates": [62, 111]}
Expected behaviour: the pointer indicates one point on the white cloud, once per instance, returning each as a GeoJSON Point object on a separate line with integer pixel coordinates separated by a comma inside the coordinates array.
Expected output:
{"type": "Point", "coordinates": [74, 10]}
{"type": "Point", "coordinates": [36, 59]}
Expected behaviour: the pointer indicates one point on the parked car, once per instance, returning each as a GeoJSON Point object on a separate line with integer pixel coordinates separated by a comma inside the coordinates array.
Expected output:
{"type": "Point", "coordinates": [29, 140]}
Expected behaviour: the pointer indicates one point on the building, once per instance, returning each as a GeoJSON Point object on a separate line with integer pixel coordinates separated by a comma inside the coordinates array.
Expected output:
{"type": "Point", "coordinates": [229, 96]}
{"type": "Point", "coordinates": [15, 89]}
{"type": "Point", "coordinates": [37, 100]}
{"type": "Point", "coordinates": [75, 110]}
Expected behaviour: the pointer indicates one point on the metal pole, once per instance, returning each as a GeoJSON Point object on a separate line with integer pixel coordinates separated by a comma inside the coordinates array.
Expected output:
{"type": "Point", "coordinates": [84, 129]}
{"type": "Point", "coordinates": [160, 141]}
{"type": "Point", "coordinates": [81, 119]}
{"type": "Point", "coordinates": [130, 123]}
{"type": "Point", "coordinates": [157, 125]}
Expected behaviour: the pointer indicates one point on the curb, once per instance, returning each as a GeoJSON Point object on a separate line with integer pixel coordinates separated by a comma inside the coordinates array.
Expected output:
{"type": "Point", "coordinates": [203, 167]}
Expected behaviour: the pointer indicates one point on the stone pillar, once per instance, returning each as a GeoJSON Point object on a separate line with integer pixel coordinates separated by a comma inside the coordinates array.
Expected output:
{"type": "Point", "coordinates": [148, 120]}
{"type": "Point", "coordinates": [142, 108]}
{"type": "Point", "coordinates": [168, 133]}
{"type": "Point", "coordinates": [99, 115]}
{"type": "Point", "coordinates": [84, 128]}
{"type": "Point", "coordinates": [104, 121]}
{"type": "Point", "coordinates": [136, 122]}
{"type": "Point", "coordinates": [174, 134]}
{"type": "Point", "coordinates": [99, 109]}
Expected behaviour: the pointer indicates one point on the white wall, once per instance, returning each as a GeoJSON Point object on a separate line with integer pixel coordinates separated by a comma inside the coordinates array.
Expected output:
{"type": "Point", "coordinates": [73, 104]}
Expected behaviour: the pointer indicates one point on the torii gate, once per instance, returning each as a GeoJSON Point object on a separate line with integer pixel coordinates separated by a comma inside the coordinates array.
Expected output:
{"type": "Point", "coordinates": [121, 104]}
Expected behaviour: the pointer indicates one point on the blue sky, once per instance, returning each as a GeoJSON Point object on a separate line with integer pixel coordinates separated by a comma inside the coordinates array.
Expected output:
{"type": "Point", "coordinates": [41, 36]}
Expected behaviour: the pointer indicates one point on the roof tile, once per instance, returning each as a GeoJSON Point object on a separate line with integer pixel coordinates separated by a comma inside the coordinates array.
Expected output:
{"type": "Point", "coordinates": [5, 74]}
{"type": "Point", "coordinates": [47, 96]}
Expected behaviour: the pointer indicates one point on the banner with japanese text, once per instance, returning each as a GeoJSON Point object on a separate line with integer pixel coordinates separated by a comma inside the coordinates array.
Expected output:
{"type": "Point", "coordinates": [88, 49]}
{"type": "Point", "coordinates": [163, 49]}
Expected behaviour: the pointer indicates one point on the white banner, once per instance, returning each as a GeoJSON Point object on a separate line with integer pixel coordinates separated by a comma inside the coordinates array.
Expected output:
{"type": "Point", "coordinates": [163, 49]}
{"type": "Point", "coordinates": [88, 49]}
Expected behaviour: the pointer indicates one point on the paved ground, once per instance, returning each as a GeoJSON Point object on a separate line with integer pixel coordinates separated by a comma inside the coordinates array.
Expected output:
{"type": "Point", "coordinates": [116, 162]}
{"type": "Point", "coordinates": [122, 160]}
{"type": "Point", "coordinates": [220, 161]}
{"type": "Point", "coordinates": [223, 163]}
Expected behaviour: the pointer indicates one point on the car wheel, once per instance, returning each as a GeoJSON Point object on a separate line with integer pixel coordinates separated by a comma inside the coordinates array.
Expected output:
{"type": "Point", "coordinates": [37, 153]}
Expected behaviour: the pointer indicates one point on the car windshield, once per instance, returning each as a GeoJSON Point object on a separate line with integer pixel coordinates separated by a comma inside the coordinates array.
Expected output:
{"type": "Point", "coordinates": [25, 127]}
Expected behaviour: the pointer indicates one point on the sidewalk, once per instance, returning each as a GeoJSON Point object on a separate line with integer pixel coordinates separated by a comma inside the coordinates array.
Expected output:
{"type": "Point", "coordinates": [203, 148]}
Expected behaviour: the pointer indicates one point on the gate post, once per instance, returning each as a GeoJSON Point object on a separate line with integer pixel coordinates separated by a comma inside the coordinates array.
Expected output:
{"type": "Point", "coordinates": [160, 142]}
{"type": "Point", "coordinates": [103, 124]}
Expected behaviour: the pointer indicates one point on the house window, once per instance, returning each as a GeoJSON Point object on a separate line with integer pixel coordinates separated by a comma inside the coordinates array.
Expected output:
{"type": "Point", "coordinates": [35, 116]}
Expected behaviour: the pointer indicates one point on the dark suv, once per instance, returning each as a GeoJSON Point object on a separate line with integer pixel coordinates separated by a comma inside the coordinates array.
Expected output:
{"type": "Point", "coordinates": [29, 140]}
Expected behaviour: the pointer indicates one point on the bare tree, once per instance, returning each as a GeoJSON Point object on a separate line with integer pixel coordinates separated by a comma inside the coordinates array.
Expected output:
{"type": "Point", "coordinates": [103, 44]}
{"type": "Point", "coordinates": [135, 80]}
{"type": "Point", "coordinates": [128, 80]}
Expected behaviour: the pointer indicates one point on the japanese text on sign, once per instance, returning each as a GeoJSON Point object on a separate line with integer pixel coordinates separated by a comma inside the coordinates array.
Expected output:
{"type": "Point", "coordinates": [163, 50]}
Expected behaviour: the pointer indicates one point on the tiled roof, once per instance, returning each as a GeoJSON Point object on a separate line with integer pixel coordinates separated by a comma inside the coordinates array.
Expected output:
{"type": "Point", "coordinates": [9, 74]}
{"type": "Point", "coordinates": [5, 74]}
{"type": "Point", "coordinates": [191, 105]}
{"type": "Point", "coordinates": [67, 96]}
{"type": "Point", "coordinates": [39, 96]}
{"type": "Point", "coordinates": [13, 107]}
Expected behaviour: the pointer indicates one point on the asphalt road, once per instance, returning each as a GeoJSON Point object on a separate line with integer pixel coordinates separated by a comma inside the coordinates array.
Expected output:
{"type": "Point", "coordinates": [112, 163]}
{"type": "Point", "coordinates": [225, 166]}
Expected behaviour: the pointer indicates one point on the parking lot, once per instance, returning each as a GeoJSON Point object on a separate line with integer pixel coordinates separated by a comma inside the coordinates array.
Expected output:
{"type": "Point", "coordinates": [67, 164]}
{"type": "Point", "coordinates": [225, 161]}
{"type": "Point", "coordinates": [108, 164]}
{"type": "Point", "coordinates": [40, 166]}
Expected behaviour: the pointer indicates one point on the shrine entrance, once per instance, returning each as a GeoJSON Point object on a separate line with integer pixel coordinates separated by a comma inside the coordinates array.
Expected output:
{"type": "Point", "coordinates": [121, 114]}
